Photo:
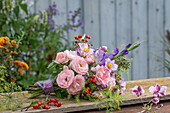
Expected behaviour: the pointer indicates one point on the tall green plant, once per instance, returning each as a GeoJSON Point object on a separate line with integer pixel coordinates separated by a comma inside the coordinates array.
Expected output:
{"type": "Point", "coordinates": [42, 36]}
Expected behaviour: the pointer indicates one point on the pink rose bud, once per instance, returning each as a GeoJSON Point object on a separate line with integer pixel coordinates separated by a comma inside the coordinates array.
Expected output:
{"type": "Point", "coordinates": [89, 59]}
{"type": "Point", "coordinates": [61, 58]}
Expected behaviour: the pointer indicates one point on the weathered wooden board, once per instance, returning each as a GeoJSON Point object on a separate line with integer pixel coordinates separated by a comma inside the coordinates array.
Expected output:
{"type": "Point", "coordinates": [71, 105]}
{"type": "Point", "coordinates": [154, 37]}
{"type": "Point", "coordinates": [139, 32]}
{"type": "Point", "coordinates": [92, 21]}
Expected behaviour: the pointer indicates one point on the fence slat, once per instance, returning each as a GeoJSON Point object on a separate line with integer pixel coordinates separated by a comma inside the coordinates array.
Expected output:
{"type": "Point", "coordinates": [123, 15]}
{"type": "Point", "coordinates": [108, 23]}
{"type": "Point", "coordinates": [72, 6]}
{"type": "Point", "coordinates": [155, 33]}
{"type": "Point", "coordinates": [92, 24]}
{"type": "Point", "coordinates": [139, 33]}
{"type": "Point", "coordinates": [167, 26]}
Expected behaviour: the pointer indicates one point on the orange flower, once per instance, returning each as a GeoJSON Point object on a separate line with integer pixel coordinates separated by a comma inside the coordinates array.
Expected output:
{"type": "Point", "coordinates": [25, 66]}
{"type": "Point", "coordinates": [10, 62]}
{"type": "Point", "coordinates": [15, 53]}
{"type": "Point", "coordinates": [7, 51]}
{"type": "Point", "coordinates": [12, 79]}
{"type": "Point", "coordinates": [1, 47]}
{"type": "Point", "coordinates": [20, 71]}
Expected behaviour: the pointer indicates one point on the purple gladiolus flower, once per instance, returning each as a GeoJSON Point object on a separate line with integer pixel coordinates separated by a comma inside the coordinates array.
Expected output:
{"type": "Point", "coordinates": [155, 100]}
{"type": "Point", "coordinates": [70, 11]}
{"type": "Point", "coordinates": [157, 90]}
{"type": "Point", "coordinates": [56, 12]}
{"type": "Point", "coordinates": [138, 90]}
{"type": "Point", "coordinates": [108, 55]}
{"type": "Point", "coordinates": [116, 51]}
{"type": "Point", "coordinates": [126, 47]}
{"type": "Point", "coordinates": [124, 52]}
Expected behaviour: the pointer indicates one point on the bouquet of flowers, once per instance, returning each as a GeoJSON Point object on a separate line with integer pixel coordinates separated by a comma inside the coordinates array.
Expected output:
{"type": "Point", "coordinates": [87, 73]}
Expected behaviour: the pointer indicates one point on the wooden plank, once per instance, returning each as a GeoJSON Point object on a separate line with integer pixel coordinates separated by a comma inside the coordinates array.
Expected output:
{"type": "Point", "coordinates": [139, 33]}
{"type": "Point", "coordinates": [71, 105]}
{"type": "Point", "coordinates": [167, 26]}
{"type": "Point", "coordinates": [92, 21]}
{"type": "Point", "coordinates": [42, 5]}
{"type": "Point", "coordinates": [108, 23]}
{"type": "Point", "coordinates": [155, 47]}
{"type": "Point", "coordinates": [61, 19]}
{"type": "Point", "coordinates": [72, 6]}
{"type": "Point", "coordinates": [123, 27]}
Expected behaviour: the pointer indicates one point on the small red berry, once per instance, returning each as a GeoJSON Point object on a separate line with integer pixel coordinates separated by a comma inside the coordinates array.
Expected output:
{"type": "Point", "coordinates": [92, 77]}
{"type": "Point", "coordinates": [35, 107]}
{"type": "Point", "coordinates": [76, 37]}
{"type": "Point", "coordinates": [39, 103]}
{"type": "Point", "coordinates": [82, 95]}
{"type": "Point", "coordinates": [88, 87]}
{"type": "Point", "coordinates": [59, 104]}
{"type": "Point", "coordinates": [79, 36]}
{"type": "Point", "coordinates": [88, 44]}
{"type": "Point", "coordinates": [86, 40]}
{"type": "Point", "coordinates": [54, 100]}
{"type": "Point", "coordinates": [87, 36]}
{"type": "Point", "coordinates": [45, 106]}
{"type": "Point", "coordinates": [82, 39]}
{"type": "Point", "coordinates": [93, 80]}
{"type": "Point", "coordinates": [90, 92]}
{"type": "Point", "coordinates": [50, 101]}
{"type": "Point", "coordinates": [87, 91]}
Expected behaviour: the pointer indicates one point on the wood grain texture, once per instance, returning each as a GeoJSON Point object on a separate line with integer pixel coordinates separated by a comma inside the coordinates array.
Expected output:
{"type": "Point", "coordinates": [71, 105]}
{"type": "Point", "coordinates": [167, 26]}
{"type": "Point", "coordinates": [108, 23]}
{"type": "Point", "coordinates": [124, 25]}
{"type": "Point", "coordinates": [92, 21]}
{"type": "Point", "coordinates": [72, 6]}
{"type": "Point", "coordinates": [139, 32]}
{"type": "Point", "coordinates": [155, 33]}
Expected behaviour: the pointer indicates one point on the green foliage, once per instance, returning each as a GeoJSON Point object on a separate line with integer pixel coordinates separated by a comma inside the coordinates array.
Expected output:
{"type": "Point", "coordinates": [8, 100]}
{"type": "Point", "coordinates": [41, 40]}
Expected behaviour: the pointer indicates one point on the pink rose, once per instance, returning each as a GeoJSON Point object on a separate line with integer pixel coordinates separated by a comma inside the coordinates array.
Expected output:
{"type": "Point", "coordinates": [79, 65]}
{"type": "Point", "coordinates": [61, 58]}
{"type": "Point", "coordinates": [102, 75]}
{"type": "Point", "coordinates": [70, 54]}
{"type": "Point", "coordinates": [77, 85]}
{"type": "Point", "coordinates": [89, 59]}
{"type": "Point", "coordinates": [65, 77]}
{"type": "Point", "coordinates": [112, 83]}
{"type": "Point", "coordinates": [99, 95]}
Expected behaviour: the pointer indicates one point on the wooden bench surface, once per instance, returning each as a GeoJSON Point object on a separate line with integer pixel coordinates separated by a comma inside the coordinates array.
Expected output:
{"type": "Point", "coordinates": [71, 105]}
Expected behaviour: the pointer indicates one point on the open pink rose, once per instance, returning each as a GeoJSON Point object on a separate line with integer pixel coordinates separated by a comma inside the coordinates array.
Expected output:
{"type": "Point", "coordinates": [89, 59]}
{"type": "Point", "coordinates": [77, 85]}
{"type": "Point", "coordinates": [65, 77]}
{"type": "Point", "coordinates": [102, 75]}
{"type": "Point", "coordinates": [70, 54]}
{"type": "Point", "coordinates": [61, 58]}
{"type": "Point", "coordinates": [112, 83]}
{"type": "Point", "coordinates": [79, 65]}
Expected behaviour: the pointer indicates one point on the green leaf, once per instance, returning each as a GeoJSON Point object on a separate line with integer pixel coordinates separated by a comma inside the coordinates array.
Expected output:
{"type": "Point", "coordinates": [5, 28]}
{"type": "Point", "coordinates": [0, 4]}
{"type": "Point", "coordinates": [24, 8]}
{"type": "Point", "coordinates": [143, 108]}
{"type": "Point", "coordinates": [16, 11]}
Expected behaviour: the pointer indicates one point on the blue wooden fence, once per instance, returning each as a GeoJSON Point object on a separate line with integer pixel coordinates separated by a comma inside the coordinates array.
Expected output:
{"type": "Point", "coordinates": [116, 22]}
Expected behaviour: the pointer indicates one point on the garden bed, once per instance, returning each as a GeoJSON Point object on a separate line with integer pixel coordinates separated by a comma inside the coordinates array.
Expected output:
{"type": "Point", "coordinates": [71, 105]}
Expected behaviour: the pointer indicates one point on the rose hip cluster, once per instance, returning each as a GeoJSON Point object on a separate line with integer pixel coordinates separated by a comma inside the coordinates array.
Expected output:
{"type": "Point", "coordinates": [80, 36]}
{"type": "Point", "coordinates": [46, 103]}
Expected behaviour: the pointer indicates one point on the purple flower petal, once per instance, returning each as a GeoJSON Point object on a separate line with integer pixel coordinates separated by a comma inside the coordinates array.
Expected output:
{"type": "Point", "coordinates": [126, 47]}
{"type": "Point", "coordinates": [116, 51]}
{"type": "Point", "coordinates": [155, 100]}
{"type": "Point", "coordinates": [124, 52]}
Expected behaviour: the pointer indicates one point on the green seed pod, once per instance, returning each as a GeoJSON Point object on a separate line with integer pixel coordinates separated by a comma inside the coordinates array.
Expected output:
{"type": "Point", "coordinates": [123, 62]}
{"type": "Point", "coordinates": [36, 18]}
{"type": "Point", "coordinates": [44, 17]}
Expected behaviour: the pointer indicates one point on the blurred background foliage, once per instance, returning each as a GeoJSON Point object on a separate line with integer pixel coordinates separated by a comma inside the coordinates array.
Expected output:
{"type": "Point", "coordinates": [43, 38]}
